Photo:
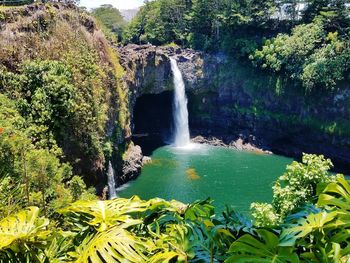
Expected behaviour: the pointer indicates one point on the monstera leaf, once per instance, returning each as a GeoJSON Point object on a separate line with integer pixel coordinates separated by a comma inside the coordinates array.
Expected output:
{"type": "Point", "coordinates": [324, 234]}
{"type": "Point", "coordinates": [301, 213]}
{"type": "Point", "coordinates": [113, 245]}
{"type": "Point", "coordinates": [313, 222]}
{"type": "Point", "coordinates": [166, 257]}
{"type": "Point", "coordinates": [22, 228]}
{"type": "Point", "coordinates": [330, 226]}
{"type": "Point", "coordinates": [336, 195]}
{"type": "Point", "coordinates": [199, 210]}
{"type": "Point", "coordinates": [341, 237]}
{"type": "Point", "coordinates": [262, 249]}
{"type": "Point", "coordinates": [236, 221]}
{"type": "Point", "coordinates": [177, 242]}
{"type": "Point", "coordinates": [59, 243]}
{"type": "Point", "coordinates": [104, 214]}
{"type": "Point", "coordinates": [119, 211]}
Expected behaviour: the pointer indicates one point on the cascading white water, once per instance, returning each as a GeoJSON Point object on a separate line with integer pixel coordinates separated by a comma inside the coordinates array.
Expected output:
{"type": "Point", "coordinates": [111, 182]}
{"type": "Point", "coordinates": [180, 112]}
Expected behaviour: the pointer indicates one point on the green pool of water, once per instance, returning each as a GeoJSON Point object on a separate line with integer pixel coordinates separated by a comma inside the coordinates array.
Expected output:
{"type": "Point", "coordinates": [229, 177]}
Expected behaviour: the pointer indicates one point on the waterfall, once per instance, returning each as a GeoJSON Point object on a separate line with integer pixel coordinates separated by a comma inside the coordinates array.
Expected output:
{"type": "Point", "coordinates": [111, 182]}
{"type": "Point", "coordinates": [180, 112]}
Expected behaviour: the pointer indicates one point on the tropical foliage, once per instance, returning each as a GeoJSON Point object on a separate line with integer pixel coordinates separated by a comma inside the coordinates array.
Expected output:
{"type": "Point", "coordinates": [63, 83]}
{"type": "Point", "coordinates": [310, 235]}
{"type": "Point", "coordinates": [201, 24]}
{"type": "Point", "coordinates": [135, 230]}
{"type": "Point", "coordinates": [54, 101]}
{"type": "Point", "coordinates": [293, 189]}
{"type": "Point", "coordinates": [31, 173]}
{"type": "Point", "coordinates": [303, 41]}
{"type": "Point", "coordinates": [110, 20]}
{"type": "Point", "coordinates": [311, 54]}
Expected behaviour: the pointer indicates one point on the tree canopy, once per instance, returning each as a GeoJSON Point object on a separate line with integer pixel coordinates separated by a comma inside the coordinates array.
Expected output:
{"type": "Point", "coordinates": [304, 41]}
{"type": "Point", "coordinates": [110, 18]}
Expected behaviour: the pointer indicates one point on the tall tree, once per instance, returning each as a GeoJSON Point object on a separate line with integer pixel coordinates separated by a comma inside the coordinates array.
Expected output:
{"type": "Point", "coordinates": [111, 18]}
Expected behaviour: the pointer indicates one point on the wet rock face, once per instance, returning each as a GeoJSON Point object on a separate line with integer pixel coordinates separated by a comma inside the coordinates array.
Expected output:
{"type": "Point", "coordinates": [149, 71]}
{"type": "Point", "coordinates": [234, 102]}
{"type": "Point", "coordinates": [239, 144]}
{"type": "Point", "coordinates": [132, 164]}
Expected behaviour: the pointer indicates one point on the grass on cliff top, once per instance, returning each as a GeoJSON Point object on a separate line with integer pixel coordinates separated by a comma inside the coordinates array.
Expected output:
{"type": "Point", "coordinates": [5, 7]}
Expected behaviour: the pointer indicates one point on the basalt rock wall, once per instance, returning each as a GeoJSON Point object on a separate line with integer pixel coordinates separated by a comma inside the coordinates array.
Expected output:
{"type": "Point", "coordinates": [231, 100]}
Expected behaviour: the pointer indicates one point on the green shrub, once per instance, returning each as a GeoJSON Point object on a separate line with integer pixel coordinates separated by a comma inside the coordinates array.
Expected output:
{"type": "Point", "coordinates": [294, 189]}
{"type": "Point", "coordinates": [311, 55]}
{"type": "Point", "coordinates": [30, 174]}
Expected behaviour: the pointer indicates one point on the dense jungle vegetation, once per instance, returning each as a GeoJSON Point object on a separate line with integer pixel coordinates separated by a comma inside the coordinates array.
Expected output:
{"type": "Point", "coordinates": [60, 82]}
{"type": "Point", "coordinates": [303, 41]}
{"type": "Point", "coordinates": [60, 75]}
{"type": "Point", "coordinates": [308, 221]}
{"type": "Point", "coordinates": [111, 20]}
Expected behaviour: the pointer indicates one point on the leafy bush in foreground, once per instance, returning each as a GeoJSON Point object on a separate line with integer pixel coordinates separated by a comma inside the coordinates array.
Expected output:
{"type": "Point", "coordinates": [294, 189]}
{"type": "Point", "coordinates": [310, 235]}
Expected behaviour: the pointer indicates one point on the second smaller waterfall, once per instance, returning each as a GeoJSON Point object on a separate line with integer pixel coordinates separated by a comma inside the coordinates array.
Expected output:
{"type": "Point", "coordinates": [180, 112]}
{"type": "Point", "coordinates": [111, 182]}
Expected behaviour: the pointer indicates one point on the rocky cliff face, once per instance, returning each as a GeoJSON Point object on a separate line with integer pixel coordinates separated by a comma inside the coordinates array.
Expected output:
{"type": "Point", "coordinates": [148, 70]}
{"type": "Point", "coordinates": [229, 100]}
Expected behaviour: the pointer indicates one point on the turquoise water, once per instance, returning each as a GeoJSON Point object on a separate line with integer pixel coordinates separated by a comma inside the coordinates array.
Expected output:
{"type": "Point", "coordinates": [230, 177]}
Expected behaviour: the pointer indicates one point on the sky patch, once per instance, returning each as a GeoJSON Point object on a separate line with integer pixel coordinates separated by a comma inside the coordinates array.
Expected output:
{"type": "Point", "coordinates": [120, 4]}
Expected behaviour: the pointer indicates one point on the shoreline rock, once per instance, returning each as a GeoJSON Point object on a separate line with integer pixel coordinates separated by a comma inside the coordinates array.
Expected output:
{"type": "Point", "coordinates": [238, 144]}
{"type": "Point", "coordinates": [132, 163]}
{"type": "Point", "coordinates": [146, 160]}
